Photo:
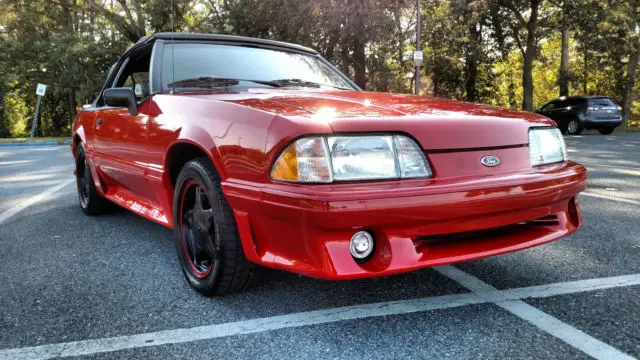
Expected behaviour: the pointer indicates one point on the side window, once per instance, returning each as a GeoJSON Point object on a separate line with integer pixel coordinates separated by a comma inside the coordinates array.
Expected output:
{"type": "Point", "coordinates": [550, 106]}
{"type": "Point", "coordinates": [139, 83]}
{"type": "Point", "coordinates": [135, 75]}
{"type": "Point", "coordinates": [575, 103]}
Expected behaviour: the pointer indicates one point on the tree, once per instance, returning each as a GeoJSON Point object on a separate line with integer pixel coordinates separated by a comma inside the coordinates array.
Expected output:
{"type": "Point", "coordinates": [504, 49]}
{"type": "Point", "coordinates": [491, 51]}
{"type": "Point", "coordinates": [529, 45]}
{"type": "Point", "coordinates": [564, 62]}
{"type": "Point", "coordinates": [472, 14]}
{"type": "Point", "coordinates": [633, 22]}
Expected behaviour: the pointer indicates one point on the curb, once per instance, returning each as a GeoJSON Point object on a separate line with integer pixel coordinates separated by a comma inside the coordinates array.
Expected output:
{"type": "Point", "coordinates": [37, 143]}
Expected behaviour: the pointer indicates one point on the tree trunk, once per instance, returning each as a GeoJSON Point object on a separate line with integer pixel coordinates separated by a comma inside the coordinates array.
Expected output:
{"type": "Point", "coordinates": [629, 85]}
{"type": "Point", "coordinates": [564, 59]}
{"type": "Point", "coordinates": [472, 61]}
{"type": "Point", "coordinates": [359, 63]}
{"type": "Point", "coordinates": [3, 129]}
{"type": "Point", "coordinates": [504, 54]}
{"type": "Point", "coordinates": [72, 103]}
{"type": "Point", "coordinates": [331, 45]}
{"type": "Point", "coordinates": [585, 73]}
{"type": "Point", "coordinates": [529, 56]}
{"type": "Point", "coordinates": [434, 77]}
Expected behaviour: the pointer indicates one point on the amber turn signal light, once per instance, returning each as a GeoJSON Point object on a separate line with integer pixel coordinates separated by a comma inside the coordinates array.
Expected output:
{"type": "Point", "coordinates": [306, 160]}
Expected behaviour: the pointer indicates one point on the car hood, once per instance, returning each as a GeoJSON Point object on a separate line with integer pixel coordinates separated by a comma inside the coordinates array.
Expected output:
{"type": "Point", "coordinates": [435, 123]}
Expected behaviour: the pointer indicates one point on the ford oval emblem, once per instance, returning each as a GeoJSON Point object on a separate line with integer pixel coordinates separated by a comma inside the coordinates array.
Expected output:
{"type": "Point", "coordinates": [490, 160]}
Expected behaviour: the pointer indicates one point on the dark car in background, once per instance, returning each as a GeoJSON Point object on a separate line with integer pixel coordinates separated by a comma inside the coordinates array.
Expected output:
{"type": "Point", "coordinates": [576, 113]}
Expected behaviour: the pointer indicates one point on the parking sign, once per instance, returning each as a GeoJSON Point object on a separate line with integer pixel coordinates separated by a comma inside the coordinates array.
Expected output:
{"type": "Point", "coordinates": [42, 88]}
{"type": "Point", "coordinates": [417, 58]}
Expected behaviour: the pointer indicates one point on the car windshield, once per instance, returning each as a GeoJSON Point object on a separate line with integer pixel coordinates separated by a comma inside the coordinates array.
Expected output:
{"type": "Point", "coordinates": [604, 102]}
{"type": "Point", "coordinates": [208, 66]}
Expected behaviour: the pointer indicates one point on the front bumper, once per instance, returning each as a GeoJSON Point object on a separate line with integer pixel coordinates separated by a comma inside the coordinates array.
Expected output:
{"type": "Point", "coordinates": [416, 223]}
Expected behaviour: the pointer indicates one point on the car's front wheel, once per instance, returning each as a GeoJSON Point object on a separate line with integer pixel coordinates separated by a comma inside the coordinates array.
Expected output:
{"type": "Point", "coordinates": [574, 127]}
{"type": "Point", "coordinates": [606, 131]}
{"type": "Point", "coordinates": [207, 239]}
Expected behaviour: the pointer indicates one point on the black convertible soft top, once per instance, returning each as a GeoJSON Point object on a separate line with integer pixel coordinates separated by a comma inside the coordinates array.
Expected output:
{"type": "Point", "coordinates": [218, 38]}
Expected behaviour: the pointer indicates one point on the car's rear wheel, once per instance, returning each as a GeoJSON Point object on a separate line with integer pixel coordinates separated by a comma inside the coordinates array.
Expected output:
{"type": "Point", "coordinates": [207, 239]}
{"type": "Point", "coordinates": [574, 127]}
{"type": "Point", "coordinates": [606, 131]}
{"type": "Point", "coordinates": [91, 202]}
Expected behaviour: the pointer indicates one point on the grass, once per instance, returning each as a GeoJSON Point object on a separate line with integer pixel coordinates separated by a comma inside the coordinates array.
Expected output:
{"type": "Point", "coordinates": [41, 139]}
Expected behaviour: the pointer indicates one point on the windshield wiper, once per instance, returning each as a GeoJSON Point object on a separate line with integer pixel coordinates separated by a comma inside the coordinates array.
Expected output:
{"type": "Point", "coordinates": [303, 83]}
{"type": "Point", "coordinates": [210, 82]}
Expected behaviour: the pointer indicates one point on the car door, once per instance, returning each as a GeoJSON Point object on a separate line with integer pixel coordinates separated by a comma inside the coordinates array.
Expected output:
{"type": "Point", "coordinates": [120, 138]}
{"type": "Point", "coordinates": [547, 109]}
{"type": "Point", "coordinates": [554, 111]}
{"type": "Point", "coordinates": [563, 112]}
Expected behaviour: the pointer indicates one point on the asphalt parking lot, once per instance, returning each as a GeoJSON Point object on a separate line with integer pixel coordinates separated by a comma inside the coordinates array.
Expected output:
{"type": "Point", "coordinates": [110, 287]}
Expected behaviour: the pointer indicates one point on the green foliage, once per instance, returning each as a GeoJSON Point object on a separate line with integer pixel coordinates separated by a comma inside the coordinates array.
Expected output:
{"type": "Point", "coordinates": [468, 45]}
{"type": "Point", "coordinates": [15, 114]}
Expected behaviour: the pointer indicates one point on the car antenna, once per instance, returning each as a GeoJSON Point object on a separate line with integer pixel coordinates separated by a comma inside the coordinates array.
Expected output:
{"type": "Point", "coordinates": [173, 63]}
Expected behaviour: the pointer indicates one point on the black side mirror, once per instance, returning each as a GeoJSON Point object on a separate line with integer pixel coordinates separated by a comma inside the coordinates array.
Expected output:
{"type": "Point", "coordinates": [121, 97]}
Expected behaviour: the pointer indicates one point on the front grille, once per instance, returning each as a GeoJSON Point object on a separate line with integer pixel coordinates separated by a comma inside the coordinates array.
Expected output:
{"type": "Point", "coordinates": [423, 242]}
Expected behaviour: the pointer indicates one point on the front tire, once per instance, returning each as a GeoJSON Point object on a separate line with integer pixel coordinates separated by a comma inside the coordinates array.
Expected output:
{"type": "Point", "coordinates": [91, 202]}
{"type": "Point", "coordinates": [206, 236]}
{"type": "Point", "coordinates": [606, 131]}
{"type": "Point", "coordinates": [574, 127]}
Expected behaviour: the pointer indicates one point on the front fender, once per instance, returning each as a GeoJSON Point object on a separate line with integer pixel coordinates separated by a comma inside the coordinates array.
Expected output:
{"type": "Point", "coordinates": [199, 137]}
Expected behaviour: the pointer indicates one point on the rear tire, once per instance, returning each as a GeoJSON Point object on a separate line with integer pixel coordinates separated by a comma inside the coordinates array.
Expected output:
{"type": "Point", "coordinates": [206, 236]}
{"type": "Point", "coordinates": [606, 131]}
{"type": "Point", "coordinates": [91, 202]}
{"type": "Point", "coordinates": [574, 127]}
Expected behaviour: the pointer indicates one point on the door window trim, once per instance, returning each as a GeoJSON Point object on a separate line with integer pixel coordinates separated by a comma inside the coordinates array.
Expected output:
{"type": "Point", "coordinates": [120, 71]}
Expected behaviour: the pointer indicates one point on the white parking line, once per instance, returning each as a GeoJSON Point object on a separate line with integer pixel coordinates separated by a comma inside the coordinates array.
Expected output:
{"type": "Point", "coordinates": [587, 164]}
{"type": "Point", "coordinates": [565, 332]}
{"type": "Point", "coordinates": [485, 294]}
{"type": "Point", "coordinates": [32, 200]}
{"type": "Point", "coordinates": [612, 198]}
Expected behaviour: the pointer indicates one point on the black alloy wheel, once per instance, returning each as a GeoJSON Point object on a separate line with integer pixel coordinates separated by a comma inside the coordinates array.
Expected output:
{"type": "Point", "coordinates": [83, 180]}
{"type": "Point", "coordinates": [206, 236]}
{"type": "Point", "coordinates": [200, 242]}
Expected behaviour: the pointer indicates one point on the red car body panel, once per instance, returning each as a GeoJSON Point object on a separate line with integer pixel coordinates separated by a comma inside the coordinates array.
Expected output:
{"type": "Point", "coordinates": [307, 228]}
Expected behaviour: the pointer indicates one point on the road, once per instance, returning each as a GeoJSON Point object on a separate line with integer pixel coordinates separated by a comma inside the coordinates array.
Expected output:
{"type": "Point", "coordinates": [109, 287]}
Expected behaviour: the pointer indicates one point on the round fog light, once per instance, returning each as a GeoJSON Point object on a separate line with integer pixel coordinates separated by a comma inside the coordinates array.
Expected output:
{"type": "Point", "coordinates": [361, 245]}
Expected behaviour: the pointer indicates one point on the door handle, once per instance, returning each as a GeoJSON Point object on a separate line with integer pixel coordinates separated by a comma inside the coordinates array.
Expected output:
{"type": "Point", "coordinates": [99, 122]}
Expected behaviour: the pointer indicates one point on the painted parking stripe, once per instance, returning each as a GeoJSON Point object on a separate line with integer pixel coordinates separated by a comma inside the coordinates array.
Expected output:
{"type": "Point", "coordinates": [32, 200]}
{"type": "Point", "coordinates": [625, 167]}
{"type": "Point", "coordinates": [553, 326]}
{"type": "Point", "coordinates": [325, 316]}
{"type": "Point", "coordinates": [612, 198]}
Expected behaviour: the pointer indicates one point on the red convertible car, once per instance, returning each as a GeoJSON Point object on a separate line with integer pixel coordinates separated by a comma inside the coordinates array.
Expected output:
{"type": "Point", "coordinates": [261, 152]}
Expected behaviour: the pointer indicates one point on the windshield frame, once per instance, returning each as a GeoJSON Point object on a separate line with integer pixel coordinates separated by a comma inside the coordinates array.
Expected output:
{"type": "Point", "coordinates": [155, 74]}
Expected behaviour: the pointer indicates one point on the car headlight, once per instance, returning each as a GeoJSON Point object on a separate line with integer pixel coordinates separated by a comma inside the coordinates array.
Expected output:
{"type": "Point", "coordinates": [345, 158]}
{"type": "Point", "coordinates": [546, 146]}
